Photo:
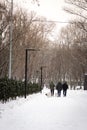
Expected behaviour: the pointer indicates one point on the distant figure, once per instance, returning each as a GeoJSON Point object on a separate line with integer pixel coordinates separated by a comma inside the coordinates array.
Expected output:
{"type": "Point", "coordinates": [65, 87]}
{"type": "Point", "coordinates": [52, 88]}
{"type": "Point", "coordinates": [59, 88]}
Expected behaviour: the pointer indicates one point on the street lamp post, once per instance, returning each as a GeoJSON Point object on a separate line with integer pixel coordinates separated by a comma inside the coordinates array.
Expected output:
{"type": "Point", "coordinates": [26, 59]}
{"type": "Point", "coordinates": [41, 76]}
{"type": "Point", "coordinates": [41, 68]}
{"type": "Point", "coordinates": [10, 40]}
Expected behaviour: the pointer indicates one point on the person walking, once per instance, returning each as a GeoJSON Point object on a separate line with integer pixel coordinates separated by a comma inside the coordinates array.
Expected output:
{"type": "Point", "coordinates": [52, 88]}
{"type": "Point", "coordinates": [59, 88]}
{"type": "Point", "coordinates": [65, 87]}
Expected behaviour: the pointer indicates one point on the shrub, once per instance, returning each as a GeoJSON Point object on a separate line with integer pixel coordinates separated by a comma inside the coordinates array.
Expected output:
{"type": "Point", "coordinates": [10, 89]}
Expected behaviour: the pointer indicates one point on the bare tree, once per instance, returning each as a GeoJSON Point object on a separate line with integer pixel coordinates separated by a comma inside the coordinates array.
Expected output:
{"type": "Point", "coordinates": [4, 38]}
{"type": "Point", "coordinates": [28, 32]}
{"type": "Point", "coordinates": [71, 57]}
{"type": "Point", "coordinates": [77, 7]}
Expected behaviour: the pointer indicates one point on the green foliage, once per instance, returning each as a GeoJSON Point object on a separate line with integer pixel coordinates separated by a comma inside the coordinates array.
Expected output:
{"type": "Point", "coordinates": [10, 89]}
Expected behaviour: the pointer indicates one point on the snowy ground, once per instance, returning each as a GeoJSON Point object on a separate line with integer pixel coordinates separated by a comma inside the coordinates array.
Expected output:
{"type": "Point", "coordinates": [39, 112]}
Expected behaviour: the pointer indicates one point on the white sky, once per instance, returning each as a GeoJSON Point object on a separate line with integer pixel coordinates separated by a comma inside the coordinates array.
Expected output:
{"type": "Point", "coordinates": [51, 9]}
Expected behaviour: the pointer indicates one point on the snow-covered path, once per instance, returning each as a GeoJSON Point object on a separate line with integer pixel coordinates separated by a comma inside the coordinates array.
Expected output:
{"type": "Point", "coordinates": [39, 112]}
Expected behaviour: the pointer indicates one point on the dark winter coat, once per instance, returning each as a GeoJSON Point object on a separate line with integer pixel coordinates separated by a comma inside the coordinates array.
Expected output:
{"type": "Point", "coordinates": [59, 86]}
{"type": "Point", "coordinates": [65, 86]}
{"type": "Point", "coordinates": [52, 85]}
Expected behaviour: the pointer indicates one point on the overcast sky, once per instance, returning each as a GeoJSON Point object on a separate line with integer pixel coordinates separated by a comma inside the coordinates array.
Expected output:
{"type": "Point", "coordinates": [51, 9]}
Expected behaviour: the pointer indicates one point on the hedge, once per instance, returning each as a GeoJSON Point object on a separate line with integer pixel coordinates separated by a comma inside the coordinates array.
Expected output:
{"type": "Point", "coordinates": [10, 89]}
